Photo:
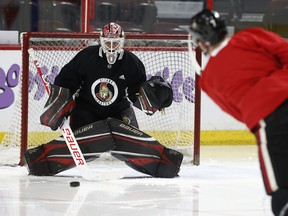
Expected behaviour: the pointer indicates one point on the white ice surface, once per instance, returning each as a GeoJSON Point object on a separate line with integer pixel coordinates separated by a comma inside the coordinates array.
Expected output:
{"type": "Point", "coordinates": [227, 183]}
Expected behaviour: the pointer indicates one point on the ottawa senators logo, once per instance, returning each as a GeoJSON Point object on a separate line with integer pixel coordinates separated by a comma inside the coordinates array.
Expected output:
{"type": "Point", "coordinates": [104, 91]}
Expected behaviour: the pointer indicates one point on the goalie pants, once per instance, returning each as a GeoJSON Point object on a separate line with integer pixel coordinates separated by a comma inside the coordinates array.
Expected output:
{"type": "Point", "coordinates": [127, 143]}
{"type": "Point", "coordinates": [272, 139]}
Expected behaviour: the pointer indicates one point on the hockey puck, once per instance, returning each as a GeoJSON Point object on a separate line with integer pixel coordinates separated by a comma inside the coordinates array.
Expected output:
{"type": "Point", "coordinates": [74, 184]}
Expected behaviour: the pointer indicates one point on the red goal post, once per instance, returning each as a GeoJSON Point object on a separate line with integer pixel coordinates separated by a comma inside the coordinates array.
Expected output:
{"type": "Point", "coordinates": [165, 55]}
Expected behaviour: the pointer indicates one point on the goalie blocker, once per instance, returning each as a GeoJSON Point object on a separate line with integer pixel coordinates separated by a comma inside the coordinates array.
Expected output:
{"type": "Point", "coordinates": [125, 142]}
{"type": "Point", "coordinates": [58, 106]}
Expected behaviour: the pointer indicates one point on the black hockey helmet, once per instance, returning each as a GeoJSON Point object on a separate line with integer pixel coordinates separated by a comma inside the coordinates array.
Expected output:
{"type": "Point", "coordinates": [208, 26]}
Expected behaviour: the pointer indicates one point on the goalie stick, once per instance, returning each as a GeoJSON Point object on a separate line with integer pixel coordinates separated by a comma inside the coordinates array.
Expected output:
{"type": "Point", "coordinates": [71, 141]}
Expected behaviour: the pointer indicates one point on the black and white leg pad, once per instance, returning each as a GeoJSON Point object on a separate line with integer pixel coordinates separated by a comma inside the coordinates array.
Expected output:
{"type": "Point", "coordinates": [142, 152]}
{"type": "Point", "coordinates": [127, 143]}
{"type": "Point", "coordinates": [169, 165]}
{"type": "Point", "coordinates": [54, 157]}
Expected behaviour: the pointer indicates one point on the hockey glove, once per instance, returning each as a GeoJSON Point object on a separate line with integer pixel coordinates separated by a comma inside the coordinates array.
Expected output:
{"type": "Point", "coordinates": [155, 94]}
{"type": "Point", "coordinates": [58, 106]}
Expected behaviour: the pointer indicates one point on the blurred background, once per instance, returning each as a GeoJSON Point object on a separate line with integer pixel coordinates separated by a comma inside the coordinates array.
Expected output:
{"type": "Point", "coordinates": [143, 16]}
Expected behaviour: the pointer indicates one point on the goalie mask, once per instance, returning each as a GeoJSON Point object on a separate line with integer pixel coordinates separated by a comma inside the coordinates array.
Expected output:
{"type": "Point", "coordinates": [112, 41]}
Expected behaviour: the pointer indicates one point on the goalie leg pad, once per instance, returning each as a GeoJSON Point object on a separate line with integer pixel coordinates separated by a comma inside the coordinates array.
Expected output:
{"type": "Point", "coordinates": [39, 164]}
{"type": "Point", "coordinates": [36, 162]}
{"type": "Point", "coordinates": [142, 152]}
{"type": "Point", "coordinates": [55, 156]}
{"type": "Point", "coordinates": [169, 165]}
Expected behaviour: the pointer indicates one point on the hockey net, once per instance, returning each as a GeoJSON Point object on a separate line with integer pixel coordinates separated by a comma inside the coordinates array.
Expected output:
{"type": "Point", "coordinates": [162, 55]}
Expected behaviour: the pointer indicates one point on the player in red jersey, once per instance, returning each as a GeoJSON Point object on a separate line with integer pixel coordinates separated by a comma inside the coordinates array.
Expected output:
{"type": "Point", "coordinates": [247, 76]}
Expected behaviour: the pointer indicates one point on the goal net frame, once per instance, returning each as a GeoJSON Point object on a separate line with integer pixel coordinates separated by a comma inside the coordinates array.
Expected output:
{"type": "Point", "coordinates": [162, 38]}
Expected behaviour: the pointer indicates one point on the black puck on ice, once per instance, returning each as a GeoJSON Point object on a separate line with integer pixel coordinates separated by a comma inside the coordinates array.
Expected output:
{"type": "Point", "coordinates": [74, 184]}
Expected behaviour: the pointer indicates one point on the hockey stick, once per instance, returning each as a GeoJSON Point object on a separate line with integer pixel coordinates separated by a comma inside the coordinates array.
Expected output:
{"type": "Point", "coordinates": [194, 62]}
{"type": "Point", "coordinates": [70, 139]}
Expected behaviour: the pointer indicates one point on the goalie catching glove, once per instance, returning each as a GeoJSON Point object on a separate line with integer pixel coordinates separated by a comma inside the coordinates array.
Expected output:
{"type": "Point", "coordinates": [58, 106]}
{"type": "Point", "coordinates": [155, 94]}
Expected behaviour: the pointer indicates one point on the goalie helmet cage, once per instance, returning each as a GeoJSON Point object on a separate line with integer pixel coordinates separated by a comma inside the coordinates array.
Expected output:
{"type": "Point", "coordinates": [165, 55]}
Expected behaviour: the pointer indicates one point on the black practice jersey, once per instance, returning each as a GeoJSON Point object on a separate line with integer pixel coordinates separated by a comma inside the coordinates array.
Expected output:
{"type": "Point", "coordinates": [104, 87]}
